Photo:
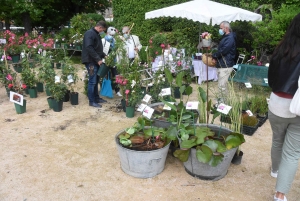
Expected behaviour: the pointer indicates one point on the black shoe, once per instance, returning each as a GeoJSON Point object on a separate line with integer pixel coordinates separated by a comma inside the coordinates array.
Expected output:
{"type": "Point", "coordinates": [101, 100]}
{"type": "Point", "coordinates": [95, 105]}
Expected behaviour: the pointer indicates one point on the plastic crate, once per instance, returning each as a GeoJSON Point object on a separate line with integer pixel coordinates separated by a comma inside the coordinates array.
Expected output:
{"type": "Point", "coordinates": [248, 130]}
{"type": "Point", "coordinates": [225, 119]}
{"type": "Point", "coordinates": [262, 120]}
{"type": "Point", "coordinates": [251, 73]}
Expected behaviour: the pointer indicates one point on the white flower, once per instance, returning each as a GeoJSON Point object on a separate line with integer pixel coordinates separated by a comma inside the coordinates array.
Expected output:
{"type": "Point", "coordinates": [133, 83]}
{"type": "Point", "coordinates": [1, 59]}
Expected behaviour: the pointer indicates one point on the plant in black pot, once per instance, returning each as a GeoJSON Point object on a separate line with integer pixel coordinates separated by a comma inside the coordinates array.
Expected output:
{"type": "Point", "coordinates": [69, 77]}
{"type": "Point", "coordinates": [178, 82]}
{"type": "Point", "coordinates": [58, 91]}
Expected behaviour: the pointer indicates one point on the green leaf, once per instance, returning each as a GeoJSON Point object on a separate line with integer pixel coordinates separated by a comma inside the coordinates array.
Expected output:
{"type": "Point", "coordinates": [168, 75]}
{"type": "Point", "coordinates": [179, 78]}
{"type": "Point", "coordinates": [208, 105]}
{"type": "Point", "coordinates": [211, 144]}
{"type": "Point", "coordinates": [130, 130]}
{"type": "Point", "coordinates": [202, 94]}
{"type": "Point", "coordinates": [186, 116]}
{"type": "Point", "coordinates": [172, 133]}
{"type": "Point", "coordinates": [188, 143]}
{"type": "Point", "coordinates": [125, 142]}
{"type": "Point", "coordinates": [203, 154]}
{"type": "Point", "coordinates": [216, 160]}
{"type": "Point", "coordinates": [182, 155]}
{"type": "Point", "coordinates": [173, 107]}
{"type": "Point", "coordinates": [124, 136]}
{"type": "Point", "coordinates": [189, 90]}
{"type": "Point", "coordinates": [182, 89]}
{"type": "Point", "coordinates": [234, 140]}
{"type": "Point", "coordinates": [221, 147]}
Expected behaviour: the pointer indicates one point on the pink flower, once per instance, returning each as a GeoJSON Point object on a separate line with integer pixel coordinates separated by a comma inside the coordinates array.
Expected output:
{"type": "Point", "coordinates": [150, 41]}
{"type": "Point", "coordinates": [8, 58]}
{"type": "Point", "coordinates": [9, 77]}
{"type": "Point", "coordinates": [178, 63]}
{"type": "Point", "coordinates": [259, 63]}
{"type": "Point", "coordinates": [162, 46]}
{"type": "Point", "coordinates": [24, 86]}
{"type": "Point", "coordinates": [127, 91]}
{"type": "Point", "coordinates": [10, 86]}
{"type": "Point", "coordinates": [156, 52]}
{"type": "Point", "coordinates": [252, 57]}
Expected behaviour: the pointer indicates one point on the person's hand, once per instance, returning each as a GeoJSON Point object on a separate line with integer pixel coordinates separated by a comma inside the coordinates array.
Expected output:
{"type": "Point", "coordinates": [214, 61]}
{"type": "Point", "coordinates": [100, 62]}
{"type": "Point", "coordinates": [136, 49]}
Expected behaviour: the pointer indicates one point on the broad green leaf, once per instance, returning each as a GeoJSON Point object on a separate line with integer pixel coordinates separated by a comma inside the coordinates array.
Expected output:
{"type": "Point", "coordinates": [216, 160]}
{"type": "Point", "coordinates": [188, 143]}
{"type": "Point", "coordinates": [182, 89]}
{"type": "Point", "coordinates": [172, 133]}
{"type": "Point", "coordinates": [208, 105]}
{"type": "Point", "coordinates": [179, 78]}
{"type": "Point", "coordinates": [130, 130]}
{"type": "Point", "coordinates": [221, 147]}
{"type": "Point", "coordinates": [234, 140]}
{"type": "Point", "coordinates": [203, 154]}
{"type": "Point", "coordinates": [168, 75]}
{"type": "Point", "coordinates": [182, 155]}
{"type": "Point", "coordinates": [211, 144]}
{"type": "Point", "coordinates": [124, 136]}
{"type": "Point", "coordinates": [189, 90]}
{"type": "Point", "coordinates": [125, 142]}
{"type": "Point", "coordinates": [173, 107]}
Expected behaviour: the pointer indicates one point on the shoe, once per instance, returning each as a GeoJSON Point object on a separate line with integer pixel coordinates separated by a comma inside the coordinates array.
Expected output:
{"type": "Point", "coordinates": [101, 100]}
{"type": "Point", "coordinates": [95, 105]}
{"type": "Point", "coordinates": [278, 199]}
{"type": "Point", "coordinates": [274, 174]}
{"type": "Point", "coordinates": [119, 94]}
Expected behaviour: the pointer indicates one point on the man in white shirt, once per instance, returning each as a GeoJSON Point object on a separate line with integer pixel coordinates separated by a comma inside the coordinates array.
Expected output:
{"type": "Point", "coordinates": [133, 45]}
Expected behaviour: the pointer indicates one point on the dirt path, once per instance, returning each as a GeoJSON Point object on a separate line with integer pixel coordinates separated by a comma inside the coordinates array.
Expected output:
{"type": "Point", "coordinates": [71, 155]}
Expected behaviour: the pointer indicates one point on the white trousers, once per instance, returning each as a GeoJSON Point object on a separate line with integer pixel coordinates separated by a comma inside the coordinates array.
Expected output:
{"type": "Point", "coordinates": [223, 75]}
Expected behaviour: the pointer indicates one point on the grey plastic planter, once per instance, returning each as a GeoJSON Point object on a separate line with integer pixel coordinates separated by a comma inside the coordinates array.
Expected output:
{"type": "Point", "coordinates": [166, 124]}
{"type": "Point", "coordinates": [142, 164]}
{"type": "Point", "coordinates": [205, 171]}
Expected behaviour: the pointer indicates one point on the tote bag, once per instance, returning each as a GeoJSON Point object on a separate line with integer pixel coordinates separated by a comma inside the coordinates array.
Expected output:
{"type": "Point", "coordinates": [295, 104]}
{"type": "Point", "coordinates": [106, 89]}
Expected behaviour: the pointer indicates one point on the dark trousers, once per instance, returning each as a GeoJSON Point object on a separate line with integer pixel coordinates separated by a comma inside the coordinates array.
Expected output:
{"type": "Point", "coordinates": [93, 92]}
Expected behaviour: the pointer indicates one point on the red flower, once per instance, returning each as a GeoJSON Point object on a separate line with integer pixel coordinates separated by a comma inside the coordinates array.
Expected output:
{"type": "Point", "coordinates": [24, 86]}
{"type": "Point", "coordinates": [10, 86]}
{"type": "Point", "coordinates": [162, 46]}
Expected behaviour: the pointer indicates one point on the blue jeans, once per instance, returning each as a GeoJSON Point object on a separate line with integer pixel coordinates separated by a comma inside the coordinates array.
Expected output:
{"type": "Point", "coordinates": [93, 92]}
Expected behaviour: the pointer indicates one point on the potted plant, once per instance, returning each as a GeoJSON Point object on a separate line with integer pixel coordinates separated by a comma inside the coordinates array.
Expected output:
{"type": "Point", "coordinates": [70, 78]}
{"type": "Point", "coordinates": [143, 150]}
{"type": "Point", "coordinates": [28, 77]}
{"type": "Point", "coordinates": [58, 91]}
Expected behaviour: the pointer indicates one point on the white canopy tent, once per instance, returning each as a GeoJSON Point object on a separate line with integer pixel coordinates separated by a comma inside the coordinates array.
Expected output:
{"type": "Point", "coordinates": [205, 11]}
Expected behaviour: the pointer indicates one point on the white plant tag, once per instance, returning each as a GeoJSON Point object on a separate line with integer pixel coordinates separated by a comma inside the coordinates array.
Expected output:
{"type": "Point", "coordinates": [192, 105]}
{"type": "Point", "coordinates": [266, 80]}
{"type": "Point", "coordinates": [148, 111]}
{"type": "Point", "coordinates": [248, 85]}
{"type": "Point", "coordinates": [268, 100]}
{"type": "Point", "coordinates": [141, 107]}
{"type": "Point", "coordinates": [223, 108]}
{"type": "Point", "coordinates": [165, 92]}
{"type": "Point", "coordinates": [249, 113]}
{"type": "Point", "coordinates": [147, 98]}
{"type": "Point", "coordinates": [57, 79]}
{"type": "Point", "coordinates": [166, 107]}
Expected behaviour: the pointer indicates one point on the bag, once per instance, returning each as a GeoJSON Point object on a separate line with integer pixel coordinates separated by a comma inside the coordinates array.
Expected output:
{"type": "Point", "coordinates": [295, 104]}
{"type": "Point", "coordinates": [106, 89]}
{"type": "Point", "coordinates": [103, 70]}
{"type": "Point", "coordinates": [208, 60]}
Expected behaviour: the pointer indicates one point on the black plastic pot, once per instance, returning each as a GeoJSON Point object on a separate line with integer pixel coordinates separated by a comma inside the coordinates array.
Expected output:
{"type": "Point", "coordinates": [237, 159]}
{"type": "Point", "coordinates": [74, 98]}
{"type": "Point", "coordinates": [67, 96]}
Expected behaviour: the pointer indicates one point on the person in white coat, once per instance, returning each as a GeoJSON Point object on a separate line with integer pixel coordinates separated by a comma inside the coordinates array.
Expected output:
{"type": "Point", "coordinates": [133, 45]}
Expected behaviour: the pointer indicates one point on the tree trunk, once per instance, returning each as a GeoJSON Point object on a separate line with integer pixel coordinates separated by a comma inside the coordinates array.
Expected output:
{"type": "Point", "coordinates": [7, 24]}
{"type": "Point", "coordinates": [26, 22]}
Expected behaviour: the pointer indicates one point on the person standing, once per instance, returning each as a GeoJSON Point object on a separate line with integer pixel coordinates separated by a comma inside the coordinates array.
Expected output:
{"type": "Point", "coordinates": [225, 56]}
{"type": "Point", "coordinates": [91, 56]}
{"type": "Point", "coordinates": [283, 75]}
{"type": "Point", "coordinates": [133, 45]}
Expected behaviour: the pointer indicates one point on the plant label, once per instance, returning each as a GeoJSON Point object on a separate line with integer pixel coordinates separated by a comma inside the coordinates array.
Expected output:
{"type": "Point", "coordinates": [16, 98]}
{"type": "Point", "coordinates": [249, 113]}
{"type": "Point", "coordinates": [192, 105]}
{"type": "Point", "coordinates": [57, 79]}
{"type": "Point", "coordinates": [166, 107]}
{"type": "Point", "coordinates": [2, 41]}
{"type": "Point", "coordinates": [147, 98]}
{"type": "Point", "coordinates": [148, 111]}
{"type": "Point", "coordinates": [268, 100]}
{"type": "Point", "coordinates": [141, 107]}
{"type": "Point", "coordinates": [248, 85]}
{"type": "Point", "coordinates": [266, 80]}
{"type": "Point", "coordinates": [165, 92]}
{"type": "Point", "coordinates": [223, 108]}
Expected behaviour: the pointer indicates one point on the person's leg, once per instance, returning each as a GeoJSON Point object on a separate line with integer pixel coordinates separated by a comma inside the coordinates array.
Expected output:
{"type": "Point", "coordinates": [290, 157]}
{"type": "Point", "coordinates": [223, 75]}
{"type": "Point", "coordinates": [92, 71]}
{"type": "Point", "coordinates": [279, 127]}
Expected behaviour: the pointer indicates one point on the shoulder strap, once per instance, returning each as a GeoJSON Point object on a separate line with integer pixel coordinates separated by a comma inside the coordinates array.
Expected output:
{"type": "Point", "coordinates": [133, 41]}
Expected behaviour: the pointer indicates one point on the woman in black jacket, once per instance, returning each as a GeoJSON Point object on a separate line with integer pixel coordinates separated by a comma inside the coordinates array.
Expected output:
{"type": "Point", "coordinates": [283, 75]}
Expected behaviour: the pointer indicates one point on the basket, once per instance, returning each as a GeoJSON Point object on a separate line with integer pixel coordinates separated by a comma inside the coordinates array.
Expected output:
{"type": "Point", "coordinates": [206, 43]}
{"type": "Point", "coordinates": [208, 60]}
{"type": "Point", "coordinates": [262, 120]}
{"type": "Point", "coordinates": [248, 130]}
